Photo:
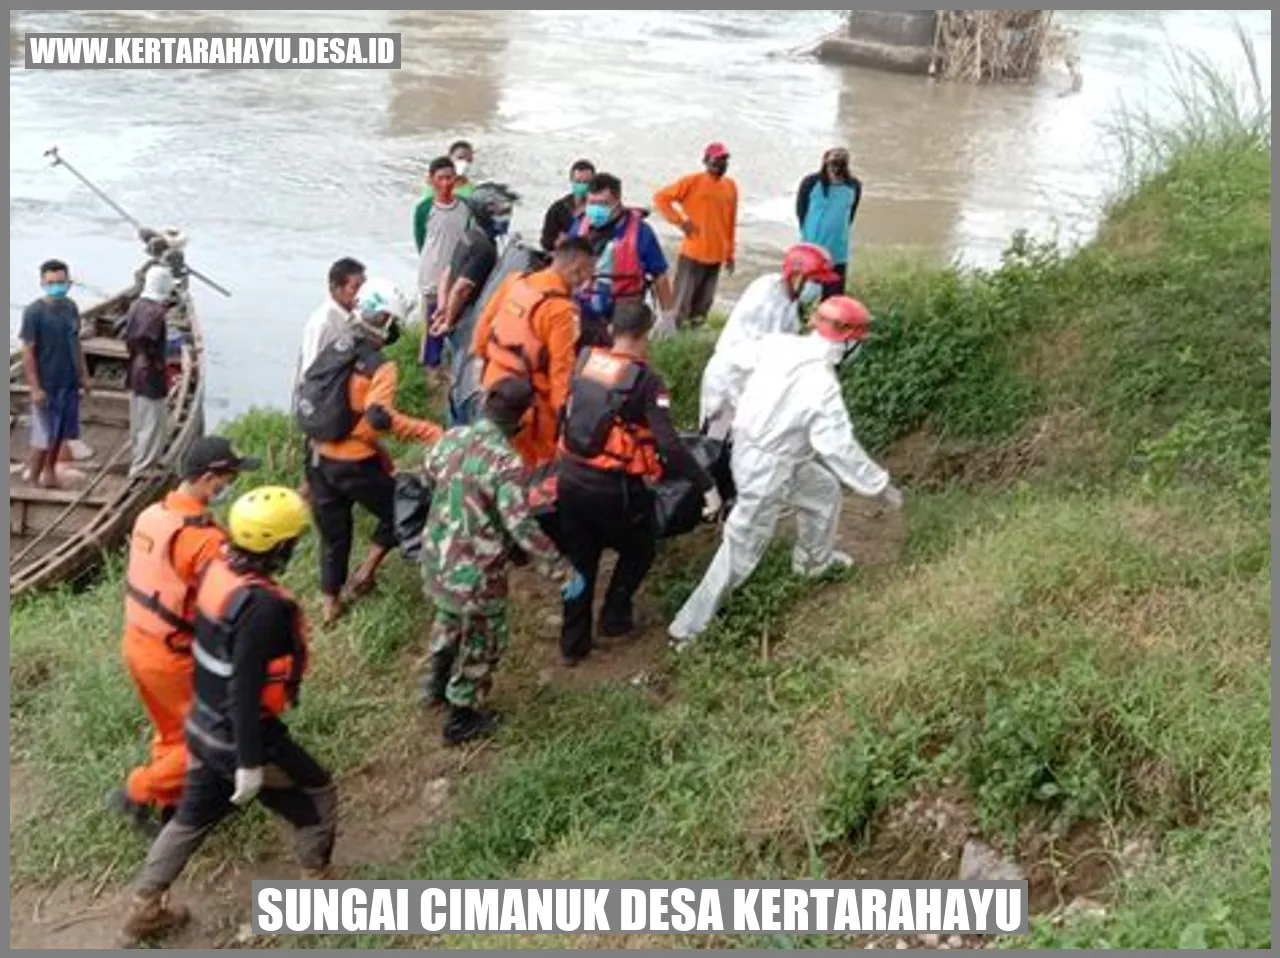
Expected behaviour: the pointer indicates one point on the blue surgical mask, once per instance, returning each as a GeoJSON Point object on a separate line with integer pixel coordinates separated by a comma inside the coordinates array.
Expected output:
{"type": "Point", "coordinates": [56, 290]}
{"type": "Point", "coordinates": [810, 292]}
{"type": "Point", "coordinates": [580, 190]}
{"type": "Point", "coordinates": [500, 225]}
{"type": "Point", "coordinates": [598, 214]}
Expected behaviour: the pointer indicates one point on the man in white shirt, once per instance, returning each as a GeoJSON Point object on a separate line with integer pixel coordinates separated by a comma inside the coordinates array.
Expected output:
{"type": "Point", "coordinates": [333, 317]}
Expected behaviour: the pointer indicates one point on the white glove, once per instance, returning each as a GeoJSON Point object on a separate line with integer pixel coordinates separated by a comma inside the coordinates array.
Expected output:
{"type": "Point", "coordinates": [711, 504]}
{"type": "Point", "coordinates": [892, 496]}
{"type": "Point", "coordinates": [248, 785]}
{"type": "Point", "coordinates": [666, 325]}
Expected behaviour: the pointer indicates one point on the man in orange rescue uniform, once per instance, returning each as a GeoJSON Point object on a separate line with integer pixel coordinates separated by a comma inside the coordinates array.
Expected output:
{"type": "Point", "coordinates": [172, 542]}
{"type": "Point", "coordinates": [530, 331]}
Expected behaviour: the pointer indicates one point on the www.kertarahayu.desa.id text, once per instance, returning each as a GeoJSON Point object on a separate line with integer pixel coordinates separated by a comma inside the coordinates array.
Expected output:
{"type": "Point", "coordinates": [134, 50]}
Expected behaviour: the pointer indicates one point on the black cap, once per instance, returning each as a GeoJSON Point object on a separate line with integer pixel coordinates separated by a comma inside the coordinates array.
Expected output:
{"type": "Point", "coordinates": [214, 454]}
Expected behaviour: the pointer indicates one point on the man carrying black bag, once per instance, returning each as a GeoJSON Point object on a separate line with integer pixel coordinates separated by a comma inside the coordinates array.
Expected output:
{"type": "Point", "coordinates": [616, 434]}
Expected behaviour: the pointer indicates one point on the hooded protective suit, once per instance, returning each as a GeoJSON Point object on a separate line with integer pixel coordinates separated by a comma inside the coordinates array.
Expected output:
{"type": "Point", "coordinates": [793, 446]}
{"type": "Point", "coordinates": [765, 307]}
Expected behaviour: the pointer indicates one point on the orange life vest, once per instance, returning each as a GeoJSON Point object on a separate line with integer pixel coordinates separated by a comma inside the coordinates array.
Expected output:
{"type": "Point", "coordinates": [219, 603]}
{"type": "Point", "coordinates": [514, 348]}
{"type": "Point", "coordinates": [159, 602]}
{"type": "Point", "coordinates": [594, 432]}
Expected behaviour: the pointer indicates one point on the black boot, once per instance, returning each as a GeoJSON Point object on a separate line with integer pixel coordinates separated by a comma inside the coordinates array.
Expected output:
{"type": "Point", "coordinates": [465, 723]}
{"type": "Point", "coordinates": [433, 688]}
{"type": "Point", "coordinates": [135, 813]}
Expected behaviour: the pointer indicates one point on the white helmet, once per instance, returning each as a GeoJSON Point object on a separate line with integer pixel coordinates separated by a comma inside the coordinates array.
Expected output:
{"type": "Point", "coordinates": [381, 296]}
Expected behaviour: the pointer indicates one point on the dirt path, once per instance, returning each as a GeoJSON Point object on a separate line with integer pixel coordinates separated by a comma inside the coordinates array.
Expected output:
{"type": "Point", "coordinates": [388, 802]}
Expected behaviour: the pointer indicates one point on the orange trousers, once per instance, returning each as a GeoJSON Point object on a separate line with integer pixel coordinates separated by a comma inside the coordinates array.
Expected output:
{"type": "Point", "coordinates": [164, 683]}
{"type": "Point", "coordinates": [536, 442]}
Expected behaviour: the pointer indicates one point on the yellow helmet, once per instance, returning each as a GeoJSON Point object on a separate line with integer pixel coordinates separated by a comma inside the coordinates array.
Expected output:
{"type": "Point", "coordinates": [263, 518]}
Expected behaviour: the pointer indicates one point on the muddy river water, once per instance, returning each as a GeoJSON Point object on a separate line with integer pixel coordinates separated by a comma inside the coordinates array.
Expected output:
{"type": "Point", "coordinates": [274, 174]}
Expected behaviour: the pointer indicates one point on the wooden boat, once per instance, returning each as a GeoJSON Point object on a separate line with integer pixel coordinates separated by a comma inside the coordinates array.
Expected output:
{"type": "Point", "coordinates": [58, 535]}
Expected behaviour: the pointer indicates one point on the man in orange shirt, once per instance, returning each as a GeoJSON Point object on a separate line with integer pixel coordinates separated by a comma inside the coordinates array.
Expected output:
{"type": "Point", "coordinates": [529, 330]}
{"type": "Point", "coordinates": [705, 207]}
{"type": "Point", "coordinates": [172, 542]}
{"type": "Point", "coordinates": [356, 468]}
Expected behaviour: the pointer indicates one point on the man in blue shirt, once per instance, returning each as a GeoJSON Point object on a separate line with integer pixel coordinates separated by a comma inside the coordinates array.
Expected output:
{"type": "Point", "coordinates": [53, 364]}
{"type": "Point", "coordinates": [826, 203]}
{"type": "Point", "coordinates": [629, 259]}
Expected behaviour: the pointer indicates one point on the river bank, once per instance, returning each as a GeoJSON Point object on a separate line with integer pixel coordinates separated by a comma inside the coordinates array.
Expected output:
{"type": "Point", "coordinates": [1063, 654]}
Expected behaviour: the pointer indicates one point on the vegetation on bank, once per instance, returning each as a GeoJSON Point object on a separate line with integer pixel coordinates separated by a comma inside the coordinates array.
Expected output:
{"type": "Point", "coordinates": [1072, 656]}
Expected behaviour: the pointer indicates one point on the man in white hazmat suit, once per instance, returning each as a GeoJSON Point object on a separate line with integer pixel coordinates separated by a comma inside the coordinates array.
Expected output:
{"type": "Point", "coordinates": [793, 445]}
{"type": "Point", "coordinates": [771, 304]}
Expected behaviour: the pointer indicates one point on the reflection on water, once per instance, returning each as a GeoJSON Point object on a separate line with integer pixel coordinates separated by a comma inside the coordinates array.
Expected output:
{"type": "Point", "coordinates": [274, 174]}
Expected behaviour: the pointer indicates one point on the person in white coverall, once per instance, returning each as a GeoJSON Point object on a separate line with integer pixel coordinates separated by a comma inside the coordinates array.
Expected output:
{"type": "Point", "coordinates": [771, 304]}
{"type": "Point", "coordinates": [793, 445]}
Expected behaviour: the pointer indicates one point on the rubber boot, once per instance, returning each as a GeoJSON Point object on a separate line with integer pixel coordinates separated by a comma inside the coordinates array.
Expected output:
{"type": "Point", "coordinates": [433, 688]}
{"type": "Point", "coordinates": [135, 813]}
{"type": "Point", "coordinates": [151, 916]}
{"type": "Point", "coordinates": [465, 723]}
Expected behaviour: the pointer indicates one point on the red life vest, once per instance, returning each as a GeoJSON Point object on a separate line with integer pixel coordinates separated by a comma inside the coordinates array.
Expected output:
{"type": "Point", "coordinates": [158, 601]}
{"type": "Point", "coordinates": [626, 278]}
{"type": "Point", "coordinates": [594, 432]}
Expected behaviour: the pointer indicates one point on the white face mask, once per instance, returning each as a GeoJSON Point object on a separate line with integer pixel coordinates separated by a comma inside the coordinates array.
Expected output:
{"type": "Point", "coordinates": [461, 166]}
{"type": "Point", "coordinates": [810, 292]}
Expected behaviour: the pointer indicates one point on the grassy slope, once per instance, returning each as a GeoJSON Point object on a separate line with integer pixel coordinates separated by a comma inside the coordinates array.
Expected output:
{"type": "Point", "coordinates": [1084, 647]}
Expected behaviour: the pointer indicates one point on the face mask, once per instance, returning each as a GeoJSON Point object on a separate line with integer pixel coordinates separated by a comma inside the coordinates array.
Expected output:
{"type": "Point", "coordinates": [500, 225]}
{"type": "Point", "coordinates": [847, 354]}
{"type": "Point", "coordinates": [598, 214]}
{"type": "Point", "coordinates": [222, 495]}
{"type": "Point", "coordinates": [393, 333]}
{"type": "Point", "coordinates": [460, 167]}
{"type": "Point", "coordinates": [719, 167]}
{"type": "Point", "coordinates": [580, 190]}
{"type": "Point", "coordinates": [810, 292]}
{"type": "Point", "coordinates": [56, 290]}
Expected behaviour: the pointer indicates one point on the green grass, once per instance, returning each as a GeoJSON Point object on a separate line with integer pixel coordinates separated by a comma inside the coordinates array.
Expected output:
{"type": "Point", "coordinates": [1077, 653]}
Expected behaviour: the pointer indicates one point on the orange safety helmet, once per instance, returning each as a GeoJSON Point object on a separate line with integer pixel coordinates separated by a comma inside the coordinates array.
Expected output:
{"type": "Point", "coordinates": [809, 261]}
{"type": "Point", "coordinates": [842, 319]}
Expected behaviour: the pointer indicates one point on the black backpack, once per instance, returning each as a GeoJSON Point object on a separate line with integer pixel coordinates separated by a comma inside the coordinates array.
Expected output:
{"type": "Point", "coordinates": [323, 409]}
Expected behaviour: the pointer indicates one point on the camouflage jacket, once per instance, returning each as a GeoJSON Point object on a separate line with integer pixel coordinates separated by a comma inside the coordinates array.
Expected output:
{"type": "Point", "coordinates": [479, 513]}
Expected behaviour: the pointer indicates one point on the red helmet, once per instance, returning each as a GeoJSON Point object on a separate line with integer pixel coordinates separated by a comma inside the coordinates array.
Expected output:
{"type": "Point", "coordinates": [842, 319]}
{"type": "Point", "coordinates": [808, 261]}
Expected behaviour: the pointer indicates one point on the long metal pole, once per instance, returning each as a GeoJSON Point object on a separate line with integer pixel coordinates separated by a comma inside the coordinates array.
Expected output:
{"type": "Point", "coordinates": [59, 161]}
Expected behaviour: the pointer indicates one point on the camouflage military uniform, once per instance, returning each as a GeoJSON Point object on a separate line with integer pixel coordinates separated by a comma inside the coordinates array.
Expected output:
{"type": "Point", "coordinates": [479, 514]}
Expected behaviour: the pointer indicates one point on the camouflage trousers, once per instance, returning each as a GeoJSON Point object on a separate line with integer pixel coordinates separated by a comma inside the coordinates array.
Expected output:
{"type": "Point", "coordinates": [478, 640]}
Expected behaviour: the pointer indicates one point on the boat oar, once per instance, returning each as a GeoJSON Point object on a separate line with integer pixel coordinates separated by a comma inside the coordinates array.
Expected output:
{"type": "Point", "coordinates": [59, 161]}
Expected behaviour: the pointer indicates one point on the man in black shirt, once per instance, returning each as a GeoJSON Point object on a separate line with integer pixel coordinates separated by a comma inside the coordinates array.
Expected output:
{"type": "Point", "coordinates": [560, 215]}
{"type": "Point", "coordinates": [473, 260]}
{"type": "Point", "coordinates": [617, 433]}
{"type": "Point", "coordinates": [250, 654]}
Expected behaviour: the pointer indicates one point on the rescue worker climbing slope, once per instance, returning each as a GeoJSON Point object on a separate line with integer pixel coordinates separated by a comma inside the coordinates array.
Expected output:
{"type": "Point", "coordinates": [250, 654]}
{"type": "Point", "coordinates": [793, 445]}
{"type": "Point", "coordinates": [172, 542]}
{"type": "Point", "coordinates": [479, 513]}
{"type": "Point", "coordinates": [529, 330]}
{"type": "Point", "coordinates": [617, 434]}
{"type": "Point", "coordinates": [356, 468]}
{"type": "Point", "coordinates": [771, 304]}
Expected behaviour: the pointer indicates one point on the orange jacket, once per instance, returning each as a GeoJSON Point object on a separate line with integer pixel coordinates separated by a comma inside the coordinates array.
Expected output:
{"type": "Point", "coordinates": [364, 393]}
{"type": "Point", "coordinates": [555, 325]}
{"type": "Point", "coordinates": [171, 543]}
{"type": "Point", "coordinates": [711, 205]}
